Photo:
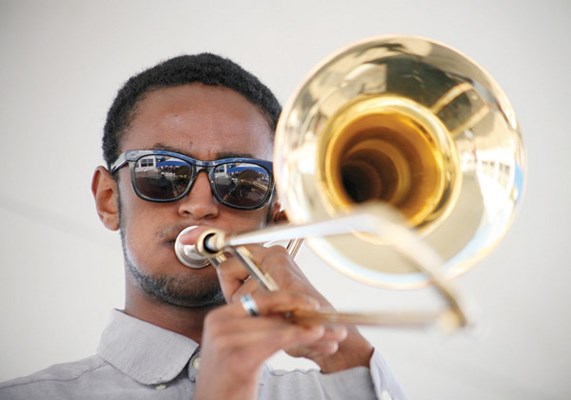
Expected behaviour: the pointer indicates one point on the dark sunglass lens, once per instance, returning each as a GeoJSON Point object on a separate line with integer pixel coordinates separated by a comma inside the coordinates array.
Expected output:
{"type": "Point", "coordinates": [159, 177]}
{"type": "Point", "coordinates": [242, 185]}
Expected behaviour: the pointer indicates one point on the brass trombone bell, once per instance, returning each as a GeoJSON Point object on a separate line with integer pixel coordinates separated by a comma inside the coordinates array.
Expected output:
{"type": "Point", "coordinates": [391, 124]}
{"type": "Point", "coordinates": [411, 123]}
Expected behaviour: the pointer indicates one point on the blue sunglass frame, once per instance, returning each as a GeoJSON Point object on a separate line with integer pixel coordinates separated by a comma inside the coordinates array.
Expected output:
{"type": "Point", "coordinates": [131, 157]}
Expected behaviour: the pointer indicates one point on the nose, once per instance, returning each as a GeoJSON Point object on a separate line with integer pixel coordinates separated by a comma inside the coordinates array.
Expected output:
{"type": "Point", "coordinates": [199, 203]}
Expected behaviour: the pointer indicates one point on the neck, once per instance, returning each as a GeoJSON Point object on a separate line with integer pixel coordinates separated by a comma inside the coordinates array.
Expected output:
{"type": "Point", "coordinates": [185, 321]}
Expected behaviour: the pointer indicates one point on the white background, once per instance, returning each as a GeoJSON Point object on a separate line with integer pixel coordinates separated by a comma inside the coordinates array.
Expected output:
{"type": "Point", "coordinates": [61, 271]}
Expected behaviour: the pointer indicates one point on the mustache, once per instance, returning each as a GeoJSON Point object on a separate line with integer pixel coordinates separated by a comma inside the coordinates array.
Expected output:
{"type": "Point", "coordinates": [170, 233]}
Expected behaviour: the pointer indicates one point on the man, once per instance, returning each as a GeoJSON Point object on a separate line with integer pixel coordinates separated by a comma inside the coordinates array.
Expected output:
{"type": "Point", "coordinates": [173, 135]}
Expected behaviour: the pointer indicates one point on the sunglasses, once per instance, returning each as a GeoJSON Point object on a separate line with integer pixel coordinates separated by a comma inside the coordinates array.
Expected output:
{"type": "Point", "coordinates": [163, 176]}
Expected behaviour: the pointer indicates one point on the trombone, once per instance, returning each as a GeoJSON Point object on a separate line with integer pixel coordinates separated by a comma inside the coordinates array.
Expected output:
{"type": "Point", "coordinates": [400, 161]}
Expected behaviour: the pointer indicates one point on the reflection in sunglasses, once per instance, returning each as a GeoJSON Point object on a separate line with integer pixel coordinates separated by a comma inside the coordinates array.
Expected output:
{"type": "Point", "coordinates": [163, 176]}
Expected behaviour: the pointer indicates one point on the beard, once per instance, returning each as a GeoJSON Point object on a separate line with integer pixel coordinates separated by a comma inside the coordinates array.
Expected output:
{"type": "Point", "coordinates": [176, 291]}
{"type": "Point", "coordinates": [171, 290]}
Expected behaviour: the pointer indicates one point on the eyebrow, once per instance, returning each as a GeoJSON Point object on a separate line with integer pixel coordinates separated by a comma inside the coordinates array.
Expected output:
{"type": "Point", "coordinates": [224, 154]}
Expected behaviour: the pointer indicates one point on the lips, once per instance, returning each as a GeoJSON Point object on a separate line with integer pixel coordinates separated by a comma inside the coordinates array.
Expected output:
{"type": "Point", "coordinates": [183, 235]}
{"type": "Point", "coordinates": [169, 235]}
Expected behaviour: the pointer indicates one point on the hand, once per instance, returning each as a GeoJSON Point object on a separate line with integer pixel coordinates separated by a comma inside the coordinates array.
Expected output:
{"type": "Point", "coordinates": [235, 345]}
{"type": "Point", "coordinates": [339, 348]}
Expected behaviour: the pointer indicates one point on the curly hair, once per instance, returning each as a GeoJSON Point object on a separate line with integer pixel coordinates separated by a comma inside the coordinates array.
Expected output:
{"type": "Point", "coordinates": [205, 68]}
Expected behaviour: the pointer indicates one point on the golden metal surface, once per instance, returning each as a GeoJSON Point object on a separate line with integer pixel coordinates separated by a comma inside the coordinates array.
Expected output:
{"type": "Point", "coordinates": [412, 123]}
{"type": "Point", "coordinates": [404, 122]}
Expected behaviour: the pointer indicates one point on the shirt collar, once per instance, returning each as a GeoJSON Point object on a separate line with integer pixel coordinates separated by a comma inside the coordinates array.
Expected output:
{"type": "Point", "coordinates": [147, 353]}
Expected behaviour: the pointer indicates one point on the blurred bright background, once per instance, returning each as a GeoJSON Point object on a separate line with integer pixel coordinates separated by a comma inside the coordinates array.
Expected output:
{"type": "Point", "coordinates": [61, 271]}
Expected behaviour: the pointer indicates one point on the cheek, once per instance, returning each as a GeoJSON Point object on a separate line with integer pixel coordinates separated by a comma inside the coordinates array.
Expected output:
{"type": "Point", "coordinates": [246, 221]}
{"type": "Point", "coordinates": [138, 229]}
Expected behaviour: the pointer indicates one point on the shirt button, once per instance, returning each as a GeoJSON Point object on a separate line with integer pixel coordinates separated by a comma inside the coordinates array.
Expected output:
{"type": "Point", "coordinates": [386, 395]}
{"type": "Point", "coordinates": [196, 363]}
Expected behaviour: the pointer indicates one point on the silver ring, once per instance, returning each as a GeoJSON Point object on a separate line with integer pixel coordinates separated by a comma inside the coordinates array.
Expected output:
{"type": "Point", "coordinates": [249, 305]}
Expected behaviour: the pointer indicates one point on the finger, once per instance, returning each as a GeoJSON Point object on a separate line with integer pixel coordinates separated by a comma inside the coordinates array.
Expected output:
{"type": "Point", "coordinates": [276, 262]}
{"type": "Point", "coordinates": [244, 330]}
{"type": "Point", "coordinates": [328, 344]}
{"type": "Point", "coordinates": [270, 303]}
{"type": "Point", "coordinates": [235, 321]}
{"type": "Point", "coordinates": [336, 333]}
{"type": "Point", "coordinates": [318, 348]}
{"type": "Point", "coordinates": [231, 338]}
{"type": "Point", "coordinates": [268, 263]}
{"type": "Point", "coordinates": [232, 274]}
{"type": "Point", "coordinates": [285, 335]}
{"type": "Point", "coordinates": [324, 348]}
{"type": "Point", "coordinates": [250, 285]}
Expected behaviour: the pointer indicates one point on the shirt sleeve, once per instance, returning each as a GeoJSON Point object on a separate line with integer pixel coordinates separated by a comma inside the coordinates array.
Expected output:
{"type": "Point", "coordinates": [385, 385]}
{"type": "Point", "coordinates": [360, 383]}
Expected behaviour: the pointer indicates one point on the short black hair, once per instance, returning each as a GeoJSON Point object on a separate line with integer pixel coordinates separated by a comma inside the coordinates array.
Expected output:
{"type": "Point", "coordinates": [206, 68]}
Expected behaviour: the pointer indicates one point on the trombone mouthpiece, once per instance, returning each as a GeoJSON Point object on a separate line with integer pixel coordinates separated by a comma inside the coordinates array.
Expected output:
{"type": "Point", "coordinates": [187, 254]}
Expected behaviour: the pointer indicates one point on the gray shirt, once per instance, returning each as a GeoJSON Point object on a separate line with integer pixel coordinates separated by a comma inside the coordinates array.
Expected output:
{"type": "Point", "coordinates": [138, 360]}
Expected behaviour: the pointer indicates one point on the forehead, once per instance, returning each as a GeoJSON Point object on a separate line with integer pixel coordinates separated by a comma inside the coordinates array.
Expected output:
{"type": "Point", "coordinates": [205, 122]}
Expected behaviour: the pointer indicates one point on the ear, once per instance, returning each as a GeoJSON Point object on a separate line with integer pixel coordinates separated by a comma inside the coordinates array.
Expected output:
{"type": "Point", "coordinates": [106, 195]}
{"type": "Point", "coordinates": [276, 214]}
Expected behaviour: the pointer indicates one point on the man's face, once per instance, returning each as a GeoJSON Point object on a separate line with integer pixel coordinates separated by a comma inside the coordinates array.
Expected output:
{"type": "Point", "coordinates": [206, 123]}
